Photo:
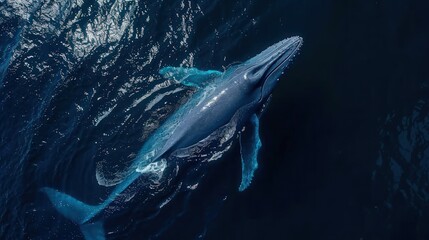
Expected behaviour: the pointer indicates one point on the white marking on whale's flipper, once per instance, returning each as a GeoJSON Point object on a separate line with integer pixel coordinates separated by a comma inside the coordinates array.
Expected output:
{"type": "Point", "coordinates": [250, 143]}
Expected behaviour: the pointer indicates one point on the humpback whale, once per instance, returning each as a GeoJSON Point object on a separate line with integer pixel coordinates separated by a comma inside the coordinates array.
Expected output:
{"type": "Point", "coordinates": [235, 97]}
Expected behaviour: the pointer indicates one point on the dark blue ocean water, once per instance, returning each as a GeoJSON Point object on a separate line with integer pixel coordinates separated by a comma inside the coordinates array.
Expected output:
{"type": "Point", "coordinates": [345, 150]}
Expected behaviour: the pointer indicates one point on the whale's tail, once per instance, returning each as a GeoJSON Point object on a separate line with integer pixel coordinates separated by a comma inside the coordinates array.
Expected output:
{"type": "Point", "coordinates": [78, 212]}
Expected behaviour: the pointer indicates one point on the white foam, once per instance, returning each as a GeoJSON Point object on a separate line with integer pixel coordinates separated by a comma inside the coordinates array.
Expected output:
{"type": "Point", "coordinates": [157, 168]}
{"type": "Point", "coordinates": [103, 115]}
{"type": "Point", "coordinates": [158, 98]}
{"type": "Point", "coordinates": [152, 91]}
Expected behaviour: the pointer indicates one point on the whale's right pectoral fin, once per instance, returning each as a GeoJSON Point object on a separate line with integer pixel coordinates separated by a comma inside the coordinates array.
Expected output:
{"type": "Point", "coordinates": [191, 77]}
{"type": "Point", "coordinates": [77, 212]}
{"type": "Point", "coordinates": [250, 143]}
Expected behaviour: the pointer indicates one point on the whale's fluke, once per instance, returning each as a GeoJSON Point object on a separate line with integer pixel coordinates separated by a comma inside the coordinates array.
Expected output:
{"type": "Point", "coordinates": [93, 231]}
{"type": "Point", "coordinates": [76, 211]}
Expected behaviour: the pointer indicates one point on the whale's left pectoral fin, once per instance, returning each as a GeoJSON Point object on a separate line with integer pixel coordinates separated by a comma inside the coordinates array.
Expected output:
{"type": "Point", "coordinates": [191, 77]}
{"type": "Point", "coordinates": [250, 143]}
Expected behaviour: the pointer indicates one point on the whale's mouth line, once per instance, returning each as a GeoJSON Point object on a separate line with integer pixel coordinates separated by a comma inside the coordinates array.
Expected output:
{"type": "Point", "coordinates": [293, 53]}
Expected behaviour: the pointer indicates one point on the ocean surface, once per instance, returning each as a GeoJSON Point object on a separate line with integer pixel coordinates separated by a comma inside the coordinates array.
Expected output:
{"type": "Point", "coordinates": [345, 139]}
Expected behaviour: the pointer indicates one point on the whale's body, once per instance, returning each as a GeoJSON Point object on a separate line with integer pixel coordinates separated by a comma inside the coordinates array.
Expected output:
{"type": "Point", "coordinates": [235, 96]}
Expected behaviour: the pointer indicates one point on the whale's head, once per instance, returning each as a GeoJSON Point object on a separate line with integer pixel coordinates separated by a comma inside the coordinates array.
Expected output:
{"type": "Point", "coordinates": [262, 72]}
